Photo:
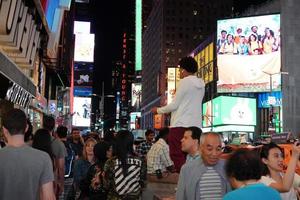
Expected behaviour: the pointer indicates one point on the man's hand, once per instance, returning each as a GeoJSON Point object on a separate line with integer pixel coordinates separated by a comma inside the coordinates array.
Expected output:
{"type": "Point", "coordinates": [154, 110]}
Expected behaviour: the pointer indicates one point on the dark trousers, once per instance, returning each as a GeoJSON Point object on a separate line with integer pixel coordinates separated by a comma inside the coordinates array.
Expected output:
{"type": "Point", "coordinates": [174, 141]}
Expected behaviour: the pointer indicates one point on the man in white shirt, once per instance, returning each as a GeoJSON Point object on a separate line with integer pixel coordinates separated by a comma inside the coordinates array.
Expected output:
{"type": "Point", "coordinates": [190, 143]}
{"type": "Point", "coordinates": [186, 108]}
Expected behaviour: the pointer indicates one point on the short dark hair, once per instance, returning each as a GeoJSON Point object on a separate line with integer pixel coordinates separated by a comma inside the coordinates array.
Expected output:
{"type": "Point", "coordinates": [196, 132]}
{"type": "Point", "coordinates": [15, 121]}
{"type": "Point", "coordinates": [48, 122]}
{"type": "Point", "coordinates": [223, 31]}
{"type": "Point", "coordinates": [148, 132]}
{"type": "Point", "coordinates": [189, 64]}
{"type": "Point", "coordinates": [62, 131]}
{"type": "Point", "coordinates": [163, 133]}
{"type": "Point", "coordinates": [42, 140]}
{"type": "Point", "coordinates": [74, 129]}
{"type": "Point", "coordinates": [244, 165]}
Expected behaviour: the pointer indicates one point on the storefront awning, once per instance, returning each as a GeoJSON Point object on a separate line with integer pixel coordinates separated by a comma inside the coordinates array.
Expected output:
{"type": "Point", "coordinates": [13, 73]}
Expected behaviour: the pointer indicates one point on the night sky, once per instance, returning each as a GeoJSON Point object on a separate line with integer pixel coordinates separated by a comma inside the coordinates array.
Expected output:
{"type": "Point", "coordinates": [110, 20]}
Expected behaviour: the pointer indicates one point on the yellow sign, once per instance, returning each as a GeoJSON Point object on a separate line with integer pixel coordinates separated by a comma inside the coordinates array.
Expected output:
{"type": "Point", "coordinates": [205, 63]}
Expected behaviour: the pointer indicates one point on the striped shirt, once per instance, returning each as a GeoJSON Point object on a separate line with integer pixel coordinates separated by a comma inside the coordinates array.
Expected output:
{"type": "Point", "coordinates": [210, 186]}
{"type": "Point", "coordinates": [158, 157]}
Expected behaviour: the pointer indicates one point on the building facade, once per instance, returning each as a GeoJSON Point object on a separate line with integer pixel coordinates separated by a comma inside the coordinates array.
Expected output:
{"type": "Point", "coordinates": [174, 29]}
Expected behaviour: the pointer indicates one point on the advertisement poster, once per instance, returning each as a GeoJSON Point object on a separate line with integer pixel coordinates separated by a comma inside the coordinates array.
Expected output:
{"type": "Point", "coordinates": [84, 47]}
{"type": "Point", "coordinates": [228, 110]}
{"type": "Point", "coordinates": [248, 53]}
{"type": "Point", "coordinates": [82, 111]}
{"type": "Point", "coordinates": [83, 74]}
{"type": "Point", "coordinates": [136, 94]}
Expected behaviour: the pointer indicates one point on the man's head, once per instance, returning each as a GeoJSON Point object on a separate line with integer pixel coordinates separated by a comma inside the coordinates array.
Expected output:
{"type": "Point", "coordinates": [75, 134]}
{"type": "Point", "coordinates": [14, 122]}
{"type": "Point", "coordinates": [62, 131]}
{"type": "Point", "coordinates": [254, 29]}
{"type": "Point", "coordinates": [163, 133]}
{"type": "Point", "coordinates": [187, 66]}
{"type": "Point", "coordinates": [223, 34]}
{"type": "Point", "coordinates": [210, 148]}
{"type": "Point", "coordinates": [149, 135]}
{"type": "Point", "coordinates": [191, 139]}
{"type": "Point", "coordinates": [48, 123]}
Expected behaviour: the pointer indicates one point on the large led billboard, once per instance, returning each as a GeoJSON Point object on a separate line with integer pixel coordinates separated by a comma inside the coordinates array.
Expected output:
{"type": "Point", "coordinates": [82, 27]}
{"type": "Point", "coordinates": [228, 110]}
{"type": "Point", "coordinates": [82, 111]}
{"type": "Point", "coordinates": [136, 94]}
{"type": "Point", "coordinates": [248, 53]}
{"type": "Point", "coordinates": [83, 74]}
{"type": "Point", "coordinates": [205, 60]}
{"type": "Point", "coordinates": [84, 47]}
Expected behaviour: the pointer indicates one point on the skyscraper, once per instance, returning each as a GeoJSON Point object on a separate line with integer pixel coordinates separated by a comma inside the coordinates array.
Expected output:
{"type": "Point", "coordinates": [174, 28]}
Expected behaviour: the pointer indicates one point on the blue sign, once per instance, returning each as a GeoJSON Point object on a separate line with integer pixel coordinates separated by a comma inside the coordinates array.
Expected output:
{"type": "Point", "coordinates": [265, 100]}
{"type": "Point", "coordinates": [82, 91]}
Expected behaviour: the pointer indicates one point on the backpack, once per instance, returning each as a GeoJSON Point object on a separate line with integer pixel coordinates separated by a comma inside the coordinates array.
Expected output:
{"type": "Point", "coordinates": [69, 159]}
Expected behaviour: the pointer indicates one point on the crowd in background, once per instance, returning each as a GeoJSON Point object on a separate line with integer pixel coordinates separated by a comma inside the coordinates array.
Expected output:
{"type": "Point", "coordinates": [62, 164]}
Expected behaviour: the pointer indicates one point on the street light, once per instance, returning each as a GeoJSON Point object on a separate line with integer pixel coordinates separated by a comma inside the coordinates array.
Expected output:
{"type": "Point", "coordinates": [272, 74]}
{"type": "Point", "coordinates": [271, 98]}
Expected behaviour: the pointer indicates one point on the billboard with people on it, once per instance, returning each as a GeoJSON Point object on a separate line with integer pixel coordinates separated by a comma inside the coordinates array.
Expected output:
{"type": "Point", "coordinates": [82, 111]}
{"type": "Point", "coordinates": [248, 53]}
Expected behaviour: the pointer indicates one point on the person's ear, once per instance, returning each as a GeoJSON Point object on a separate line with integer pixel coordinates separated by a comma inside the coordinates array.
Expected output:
{"type": "Point", "coordinates": [5, 132]}
{"type": "Point", "coordinates": [265, 161]}
{"type": "Point", "coordinates": [26, 128]}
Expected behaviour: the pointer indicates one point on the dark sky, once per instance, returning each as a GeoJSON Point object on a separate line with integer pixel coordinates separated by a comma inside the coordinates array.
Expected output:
{"type": "Point", "coordinates": [110, 20]}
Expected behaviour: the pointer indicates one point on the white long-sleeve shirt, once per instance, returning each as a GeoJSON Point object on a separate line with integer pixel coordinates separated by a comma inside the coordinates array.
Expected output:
{"type": "Point", "coordinates": [186, 107]}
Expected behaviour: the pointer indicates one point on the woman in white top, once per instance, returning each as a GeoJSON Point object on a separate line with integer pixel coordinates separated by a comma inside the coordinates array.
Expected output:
{"type": "Point", "coordinates": [273, 176]}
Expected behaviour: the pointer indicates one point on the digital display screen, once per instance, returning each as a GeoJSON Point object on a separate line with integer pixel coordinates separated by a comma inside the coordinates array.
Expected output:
{"type": "Point", "coordinates": [248, 53]}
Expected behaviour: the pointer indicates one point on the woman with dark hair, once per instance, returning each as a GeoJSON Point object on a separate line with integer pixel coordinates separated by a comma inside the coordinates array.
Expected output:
{"type": "Point", "coordinates": [93, 185]}
{"type": "Point", "coordinates": [28, 136]}
{"type": "Point", "coordinates": [243, 171]}
{"type": "Point", "coordinates": [124, 172]}
{"type": "Point", "coordinates": [42, 141]}
{"type": "Point", "coordinates": [255, 47]}
{"type": "Point", "coordinates": [273, 175]}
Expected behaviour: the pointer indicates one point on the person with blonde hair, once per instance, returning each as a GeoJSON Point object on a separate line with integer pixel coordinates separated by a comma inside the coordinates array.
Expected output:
{"type": "Point", "coordinates": [87, 159]}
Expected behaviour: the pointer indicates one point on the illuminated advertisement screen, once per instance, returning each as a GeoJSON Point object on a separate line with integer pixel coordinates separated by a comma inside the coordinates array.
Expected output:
{"type": "Point", "coordinates": [248, 53]}
{"type": "Point", "coordinates": [82, 91]}
{"type": "Point", "coordinates": [83, 74]}
{"type": "Point", "coordinates": [205, 59]}
{"type": "Point", "coordinates": [82, 111]}
{"type": "Point", "coordinates": [82, 27]}
{"type": "Point", "coordinates": [133, 118]}
{"type": "Point", "coordinates": [84, 47]}
{"type": "Point", "coordinates": [229, 110]}
{"type": "Point", "coordinates": [136, 94]}
{"type": "Point", "coordinates": [171, 84]}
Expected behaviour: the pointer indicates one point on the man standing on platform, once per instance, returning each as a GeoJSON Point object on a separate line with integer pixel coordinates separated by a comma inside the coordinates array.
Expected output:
{"type": "Point", "coordinates": [186, 108]}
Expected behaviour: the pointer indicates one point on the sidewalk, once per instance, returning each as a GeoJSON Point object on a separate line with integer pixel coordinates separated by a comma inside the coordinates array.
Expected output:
{"type": "Point", "coordinates": [159, 191]}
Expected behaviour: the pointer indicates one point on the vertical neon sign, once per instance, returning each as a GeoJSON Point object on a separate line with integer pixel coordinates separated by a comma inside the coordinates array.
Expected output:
{"type": "Point", "coordinates": [138, 35]}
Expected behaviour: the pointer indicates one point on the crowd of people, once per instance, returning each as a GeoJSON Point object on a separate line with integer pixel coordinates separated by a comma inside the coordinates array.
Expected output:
{"type": "Point", "coordinates": [115, 167]}
{"type": "Point", "coordinates": [253, 44]}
